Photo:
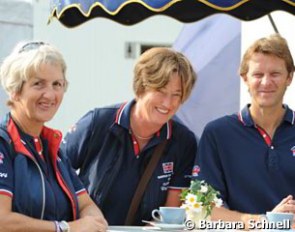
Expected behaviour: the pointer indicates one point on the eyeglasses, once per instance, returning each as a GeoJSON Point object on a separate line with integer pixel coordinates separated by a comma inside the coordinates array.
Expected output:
{"type": "Point", "coordinates": [30, 46]}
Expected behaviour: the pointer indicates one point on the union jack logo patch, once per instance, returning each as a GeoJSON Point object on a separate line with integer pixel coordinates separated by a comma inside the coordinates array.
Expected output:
{"type": "Point", "coordinates": [196, 170]}
{"type": "Point", "coordinates": [167, 167]}
{"type": "Point", "coordinates": [293, 151]}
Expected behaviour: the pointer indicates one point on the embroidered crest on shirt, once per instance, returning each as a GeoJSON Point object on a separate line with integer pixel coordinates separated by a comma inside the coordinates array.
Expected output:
{"type": "Point", "coordinates": [196, 170]}
{"type": "Point", "coordinates": [1, 158]}
{"type": "Point", "coordinates": [293, 151]}
{"type": "Point", "coordinates": [167, 167]}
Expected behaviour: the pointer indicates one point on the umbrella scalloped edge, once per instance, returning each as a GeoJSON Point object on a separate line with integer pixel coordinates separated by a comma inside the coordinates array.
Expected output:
{"type": "Point", "coordinates": [130, 12]}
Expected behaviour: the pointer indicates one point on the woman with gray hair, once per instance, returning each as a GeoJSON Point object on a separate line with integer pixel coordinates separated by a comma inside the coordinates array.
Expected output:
{"type": "Point", "coordinates": [38, 189]}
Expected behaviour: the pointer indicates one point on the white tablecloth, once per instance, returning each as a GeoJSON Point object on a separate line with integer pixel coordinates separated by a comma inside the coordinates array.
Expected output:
{"type": "Point", "coordinates": [151, 228]}
{"type": "Point", "coordinates": [137, 229]}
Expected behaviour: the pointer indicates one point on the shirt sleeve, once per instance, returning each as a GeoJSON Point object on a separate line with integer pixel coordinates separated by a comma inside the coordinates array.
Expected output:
{"type": "Point", "coordinates": [184, 161]}
{"type": "Point", "coordinates": [76, 141]}
{"type": "Point", "coordinates": [6, 170]}
{"type": "Point", "coordinates": [208, 162]}
{"type": "Point", "coordinates": [78, 185]}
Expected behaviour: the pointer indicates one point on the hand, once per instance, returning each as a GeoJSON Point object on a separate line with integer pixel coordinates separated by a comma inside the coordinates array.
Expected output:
{"type": "Point", "coordinates": [89, 224]}
{"type": "Point", "coordinates": [287, 205]}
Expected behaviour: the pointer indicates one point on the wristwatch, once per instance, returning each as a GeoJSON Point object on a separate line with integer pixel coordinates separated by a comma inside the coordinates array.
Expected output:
{"type": "Point", "coordinates": [63, 226]}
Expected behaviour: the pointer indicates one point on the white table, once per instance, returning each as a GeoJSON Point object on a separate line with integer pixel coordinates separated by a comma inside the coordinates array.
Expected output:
{"type": "Point", "coordinates": [151, 229]}
{"type": "Point", "coordinates": [137, 229]}
{"type": "Point", "coordinates": [128, 228]}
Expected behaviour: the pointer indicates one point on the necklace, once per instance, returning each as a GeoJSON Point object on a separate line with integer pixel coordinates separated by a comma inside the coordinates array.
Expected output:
{"type": "Point", "coordinates": [136, 135]}
{"type": "Point", "coordinates": [140, 137]}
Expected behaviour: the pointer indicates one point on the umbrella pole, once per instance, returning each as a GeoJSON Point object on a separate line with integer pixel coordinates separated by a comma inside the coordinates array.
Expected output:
{"type": "Point", "coordinates": [273, 23]}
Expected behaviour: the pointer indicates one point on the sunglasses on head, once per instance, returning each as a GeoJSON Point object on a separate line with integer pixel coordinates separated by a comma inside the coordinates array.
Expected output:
{"type": "Point", "coordinates": [30, 46]}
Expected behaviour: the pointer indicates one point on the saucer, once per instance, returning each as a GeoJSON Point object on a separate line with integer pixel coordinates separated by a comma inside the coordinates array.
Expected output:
{"type": "Point", "coordinates": [169, 227]}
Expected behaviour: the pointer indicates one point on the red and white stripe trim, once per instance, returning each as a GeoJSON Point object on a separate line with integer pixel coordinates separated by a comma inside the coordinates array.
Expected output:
{"type": "Point", "coordinates": [6, 192]}
{"type": "Point", "coordinates": [120, 112]}
{"type": "Point", "coordinates": [81, 191]}
{"type": "Point", "coordinates": [240, 116]}
{"type": "Point", "coordinates": [169, 129]}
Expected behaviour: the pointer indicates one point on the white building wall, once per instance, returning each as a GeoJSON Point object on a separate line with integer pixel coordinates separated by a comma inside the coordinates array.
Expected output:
{"type": "Point", "coordinates": [16, 23]}
{"type": "Point", "coordinates": [98, 72]}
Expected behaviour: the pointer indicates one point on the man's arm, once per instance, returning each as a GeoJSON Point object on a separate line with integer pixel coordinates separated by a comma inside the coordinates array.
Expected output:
{"type": "Point", "coordinates": [222, 213]}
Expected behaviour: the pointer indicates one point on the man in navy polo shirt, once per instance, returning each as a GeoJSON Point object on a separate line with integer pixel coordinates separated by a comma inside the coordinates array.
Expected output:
{"type": "Point", "coordinates": [249, 157]}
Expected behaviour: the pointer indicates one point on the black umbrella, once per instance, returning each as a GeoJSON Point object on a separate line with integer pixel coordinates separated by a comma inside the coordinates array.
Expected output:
{"type": "Point", "coordinates": [75, 12]}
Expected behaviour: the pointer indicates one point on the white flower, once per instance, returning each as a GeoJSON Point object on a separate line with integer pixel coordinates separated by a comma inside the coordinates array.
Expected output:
{"type": "Point", "coordinates": [190, 199]}
{"type": "Point", "coordinates": [204, 188]}
{"type": "Point", "coordinates": [198, 199]}
{"type": "Point", "coordinates": [187, 207]}
{"type": "Point", "coordinates": [197, 207]}
{"type": "Point", "coordinates": [218, 202]}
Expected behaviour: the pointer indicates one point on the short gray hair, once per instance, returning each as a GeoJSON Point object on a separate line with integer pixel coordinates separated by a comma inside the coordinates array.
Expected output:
{"type": "Point", "coordinates": [24, 62]}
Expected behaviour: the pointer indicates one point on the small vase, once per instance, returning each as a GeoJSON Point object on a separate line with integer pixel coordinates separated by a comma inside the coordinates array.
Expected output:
{"type": "Point", "coordinates": [197, 217]}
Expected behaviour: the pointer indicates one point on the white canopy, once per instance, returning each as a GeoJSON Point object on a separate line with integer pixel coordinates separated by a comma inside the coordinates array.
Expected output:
{"type": "Point", "coordinates": [213, 45]}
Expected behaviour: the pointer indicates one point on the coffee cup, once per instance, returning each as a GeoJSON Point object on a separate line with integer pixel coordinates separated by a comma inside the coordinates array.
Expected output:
{"type": "Point", "coordinates": [282, 220]}
{"type": "Point", "coordinates": [169, 215]}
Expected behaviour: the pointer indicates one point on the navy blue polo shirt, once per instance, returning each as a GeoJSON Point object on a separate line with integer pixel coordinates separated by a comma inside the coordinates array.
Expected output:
{"type": "Point", "coordinates": [106, 132]}
{"type": "Point", "coordinates": [18, 181]}
{"type": "Point", "coordinates": [252, 171]}
{"type": "Point", "coordinates": [60, 204]}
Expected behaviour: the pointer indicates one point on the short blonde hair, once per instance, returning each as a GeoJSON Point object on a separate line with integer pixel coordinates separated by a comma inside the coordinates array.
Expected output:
{"type": "Point", "coordinates": [155, 68]}
{"type": "Point", "coordinates": [274, 45]}
{"type": "Point", "coordinates": [23, 63]}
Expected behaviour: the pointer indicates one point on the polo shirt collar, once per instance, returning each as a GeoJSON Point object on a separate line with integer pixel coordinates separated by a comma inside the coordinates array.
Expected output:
{"type": "Point", "coordinates": [245, 116]}
{"type": "Point", "coordinates": [289, 115]}
{"type": "Point", "coordinates": [123, 120]}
